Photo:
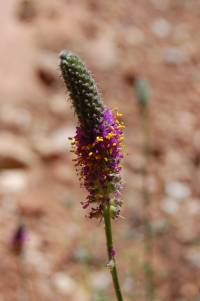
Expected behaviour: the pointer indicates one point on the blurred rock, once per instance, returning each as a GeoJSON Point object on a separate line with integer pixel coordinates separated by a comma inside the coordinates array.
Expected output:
{"type": "Point", "coordinates": [36, 258]}
{"type": "Point", "coordinates": [59, 105]}
{"type": "Point", "coordinates": [47, 70]}
{"type": "Point", "coordinates": [175, 56]}
{"type": "Point", "coordinates": [13, 181]}
{"type": "Point", "coordinates": [128, 285]}
{"type": "Point", "coordinates": [104, 52]}
{"type": "Point", "coordinates": [73, 230]}
{"type": "Point", "coordinates": [64, 283]}
{"type": "Point", "coordinates": [64, 173]}
{"type": "Point", "coordinates": [135, 163]}
{"type": "Point", "coordinates": [55, 145]}
{"type": "Point", "coordinates": [177, 190]}
{"type": "Point", "coordinates": [8, 205]}
{"type": "Point", "coordinates": [14, 118]}
{"type": "Point", "coordinates": [193, 207]}
{"type": "Point", "coordinates": [169, 206]}
{"type": "Point", "coordinates": [161, 4]}
{"type": "Point", "coordinates": [44, 287]}
{"type": "Point", "coordinates": [100, 280]}
{"type": "Point", "coordinates": [133, 36]}
{"type": "Point", "coordinates": [31, 206]}
{"type": "Point", "coordinates": [68, 287]}
{"type": "Point", "coordinates": [161, 28]}
{"type": "Point", "coordinates": [39, 261]}
{"type": "Point", "coordinates": [61, 135]}
{"type": "Point", "coordinates": [193, 256]}
{"type": "Point", "coordinates": [15, 152]}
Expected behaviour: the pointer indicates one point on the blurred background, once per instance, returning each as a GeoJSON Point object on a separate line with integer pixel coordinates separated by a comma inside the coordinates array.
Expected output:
{"type": "Point", "coordinates": [64, 255]}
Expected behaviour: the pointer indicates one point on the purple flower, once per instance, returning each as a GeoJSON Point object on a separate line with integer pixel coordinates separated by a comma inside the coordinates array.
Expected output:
{"type": "Point", "coordinates": [113, 253]}
{"type": "Point", "coordinates": [19, 238]}
{"type": "Point", "coordinates": [98, 163]}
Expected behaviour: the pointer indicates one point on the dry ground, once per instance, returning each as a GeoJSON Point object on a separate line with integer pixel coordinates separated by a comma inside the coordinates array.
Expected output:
{"type": "Point", "coordinates": [121, 40]}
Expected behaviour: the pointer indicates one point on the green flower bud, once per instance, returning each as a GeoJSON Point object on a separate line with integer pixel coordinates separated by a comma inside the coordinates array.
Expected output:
{"type": "Point", "coordinates": [143, 92]}
{"type": "Point", "coordinates": [83, 91]}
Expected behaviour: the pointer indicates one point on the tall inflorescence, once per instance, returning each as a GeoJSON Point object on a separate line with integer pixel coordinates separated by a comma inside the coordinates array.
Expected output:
{"type": "Point", "coordinates": [98, 143]}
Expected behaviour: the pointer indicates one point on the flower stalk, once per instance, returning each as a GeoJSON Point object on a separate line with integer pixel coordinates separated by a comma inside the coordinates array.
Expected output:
{"type": "Point", "coordinates": [143, 95]}
{"type": "Point", "coordinates": [98, 149]}
{"type": "Point", "coordinates": [111, 252]}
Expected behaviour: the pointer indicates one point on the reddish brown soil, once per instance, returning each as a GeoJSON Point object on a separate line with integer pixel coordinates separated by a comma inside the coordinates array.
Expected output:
{"type": "Point", "coordinates": [65, 255]}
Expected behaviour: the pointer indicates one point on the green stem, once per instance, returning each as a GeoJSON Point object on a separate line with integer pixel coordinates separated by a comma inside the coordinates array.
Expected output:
{"type": "Point", "coordinates": [148, 268]}
{"type": "Point", "coordinates": [109, 241]}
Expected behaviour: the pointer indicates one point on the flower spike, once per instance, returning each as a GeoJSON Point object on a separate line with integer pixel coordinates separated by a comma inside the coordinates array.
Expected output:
{"type": "Point", "coordinates": [98, 146]}
{"type": "Point", "coordinates": [98, 143]}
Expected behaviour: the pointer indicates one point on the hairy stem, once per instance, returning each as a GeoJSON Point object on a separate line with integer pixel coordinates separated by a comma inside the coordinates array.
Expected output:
{"type": "Point", "coordinates": [110, 250]}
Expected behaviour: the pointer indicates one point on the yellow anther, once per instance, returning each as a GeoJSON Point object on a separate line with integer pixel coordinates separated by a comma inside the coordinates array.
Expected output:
{"type": "Point", "coordinates": [110, 135]}
{"type": "Point", "coordinates": [106, 159]}
{"type": "Point", "coordinates": [99, 139]}
{"type": "Point", "coordinates": [119, 114]}
{"type": "Point", "coordinates": [90, 154]}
